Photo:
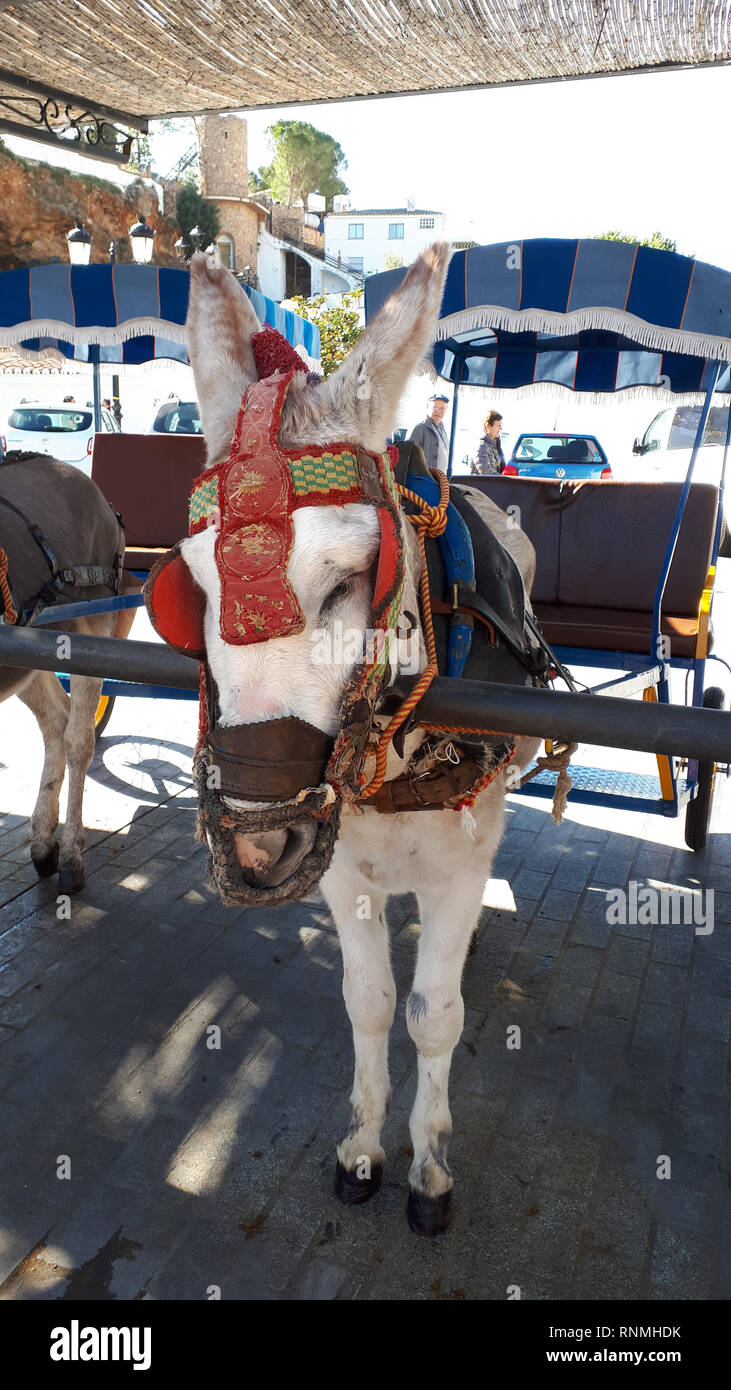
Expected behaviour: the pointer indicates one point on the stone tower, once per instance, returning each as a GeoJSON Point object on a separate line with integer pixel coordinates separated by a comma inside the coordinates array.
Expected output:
{"type": "Point", "coordinates": [224, 159]}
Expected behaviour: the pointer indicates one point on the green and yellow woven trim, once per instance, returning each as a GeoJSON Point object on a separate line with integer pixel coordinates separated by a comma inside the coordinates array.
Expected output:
{"type": "Point", "coordinates": [325, 472]}
{"type": "Point", "coordinates": [203, 501]}
{"type": "Point", "coordinates": [313, 475]}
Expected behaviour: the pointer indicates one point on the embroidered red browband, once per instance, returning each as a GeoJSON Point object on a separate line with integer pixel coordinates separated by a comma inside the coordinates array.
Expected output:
{"type": "Point", "coordinates": [250, 500]}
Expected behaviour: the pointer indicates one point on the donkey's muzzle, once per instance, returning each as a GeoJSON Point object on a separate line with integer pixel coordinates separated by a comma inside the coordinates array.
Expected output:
{"type": "Point", "coordinates": [276, 850]}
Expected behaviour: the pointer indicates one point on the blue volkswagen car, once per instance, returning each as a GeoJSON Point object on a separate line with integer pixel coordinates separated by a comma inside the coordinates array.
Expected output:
{"type": "Point", "coordinates": [558, 456]}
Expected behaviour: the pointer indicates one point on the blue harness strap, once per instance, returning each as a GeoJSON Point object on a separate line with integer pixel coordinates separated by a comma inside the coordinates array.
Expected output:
{"type": "Point", "coordinates": [458, 558]}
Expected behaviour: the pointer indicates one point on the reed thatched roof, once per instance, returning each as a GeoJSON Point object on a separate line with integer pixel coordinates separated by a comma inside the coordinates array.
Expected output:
{"type": "Point", "coordinates": [157, 57]}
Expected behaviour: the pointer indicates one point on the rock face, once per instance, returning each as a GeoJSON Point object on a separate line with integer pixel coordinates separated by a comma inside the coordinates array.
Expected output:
{"type": "Point", "coordinates": [40, 203]}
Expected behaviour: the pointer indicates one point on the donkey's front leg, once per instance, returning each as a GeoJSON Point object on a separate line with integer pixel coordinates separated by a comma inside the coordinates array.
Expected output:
{"type": "Point", "coordinates": [370, 998]}
{"type": "Point", "coordinates": [435, 1018]}
{"type": "Point", "coordinates": [79, 743]}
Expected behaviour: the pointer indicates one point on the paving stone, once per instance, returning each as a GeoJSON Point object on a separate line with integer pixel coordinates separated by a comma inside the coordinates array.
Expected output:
{"type": "Point", "coordinates": [681, 1265]}
{"type": "Point", "coordinates": [531, 884]}
{"type": "Point", "coordinates": [559, 905]}
{"type": "Point", "coordinates": [658, 1028]}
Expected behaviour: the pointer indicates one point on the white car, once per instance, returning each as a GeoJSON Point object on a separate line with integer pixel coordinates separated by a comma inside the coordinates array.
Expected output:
{"type": "Point", "coordinates": [666, 446]}
{"type": "Point", "coordinates": [65, 432]}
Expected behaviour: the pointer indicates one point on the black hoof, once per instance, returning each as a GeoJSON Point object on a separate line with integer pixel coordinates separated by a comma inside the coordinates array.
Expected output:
{"type": "Point", "coordinates": [429, 1216]}
{"type": "Point", "coordinates": [70, 880]}
{"type": "Point", "coordinates": [48, 864]}
{"type": "Point", "coordinates": [354, 1190]}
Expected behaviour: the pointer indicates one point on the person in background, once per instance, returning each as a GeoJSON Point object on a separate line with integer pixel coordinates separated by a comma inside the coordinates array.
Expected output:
{"type": "Point", "coordinates": [490, 457]}
{"type": "Point", "coordinates": [431, 435]}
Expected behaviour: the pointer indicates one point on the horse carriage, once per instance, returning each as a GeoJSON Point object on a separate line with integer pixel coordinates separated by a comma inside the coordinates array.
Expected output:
{"type": "Point", "coordinates": [625, 569]}
{"type": "Point", "coordinates": [299, 526]}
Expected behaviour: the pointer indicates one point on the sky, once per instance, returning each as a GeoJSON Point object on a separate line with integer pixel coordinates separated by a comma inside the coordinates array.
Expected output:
{"type": "Point", "coordinates": [635, 153]}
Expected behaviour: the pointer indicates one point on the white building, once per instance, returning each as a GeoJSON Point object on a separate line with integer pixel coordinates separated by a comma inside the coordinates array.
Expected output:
{"type": "Point", "coordinates": [374, 239]}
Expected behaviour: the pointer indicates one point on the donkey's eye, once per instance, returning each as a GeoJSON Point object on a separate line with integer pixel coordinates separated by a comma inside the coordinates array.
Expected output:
{"type": "Point", "coordinates": [341, 591]}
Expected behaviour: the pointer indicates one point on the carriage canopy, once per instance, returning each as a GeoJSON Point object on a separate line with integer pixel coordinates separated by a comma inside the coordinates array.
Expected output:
{"type": "Point", "coordinates": [130, 313]}
{"type": "Point", "coordinates": [593, 317]}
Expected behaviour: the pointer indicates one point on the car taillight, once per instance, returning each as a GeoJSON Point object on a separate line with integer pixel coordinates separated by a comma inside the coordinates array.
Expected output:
{"type": "Point", "coordinates": [606, 472]}
{"type": "Point", "coordinates": [511, 470]}
{"type": "Point", "coordinates": [3, 444]}
{"type": "Point", "coordinates": [90, 444]}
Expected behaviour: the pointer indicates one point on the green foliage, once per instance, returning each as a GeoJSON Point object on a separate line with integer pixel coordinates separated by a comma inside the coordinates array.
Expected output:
{"type": "Point", "coordinates": [194, 211]}
{"type": "Point", "coordinates": [339, 324]}
{"type": "Point", "coordinates": [305, 161]}
{"type": "Point", "coordinates": [657, 240]}
{"type": "Point", "coordinates": [140, 160]}
{"type": "Point", "coordinates": [394, 262]}
{"type": "Point", "coordinates": [261, 181]}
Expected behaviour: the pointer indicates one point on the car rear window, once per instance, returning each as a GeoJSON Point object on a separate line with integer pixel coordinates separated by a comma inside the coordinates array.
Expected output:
{"type": "Point", "coordinates": [180, 417]}
{"type": "Point", "coordinates": [38, 421]}
{"type": "Point", "coordinates": [541, 448]}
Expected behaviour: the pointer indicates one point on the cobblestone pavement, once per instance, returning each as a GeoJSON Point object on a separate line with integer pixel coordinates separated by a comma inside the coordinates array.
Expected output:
{"type": "Point", "coordinates": [192, 1168]}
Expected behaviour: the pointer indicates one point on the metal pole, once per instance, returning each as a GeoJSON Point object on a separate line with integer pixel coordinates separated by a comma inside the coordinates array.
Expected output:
{"type": "Point", "coordinates": [455, 402]}
{"type": "Point", "coordinates": [613, 723]}
{"type": "Point", "coordinates": [94, 359]}
{"type": "Point", "coordinates": [655, 648]}
{"type": "Point", "coordinates": [116, 403]}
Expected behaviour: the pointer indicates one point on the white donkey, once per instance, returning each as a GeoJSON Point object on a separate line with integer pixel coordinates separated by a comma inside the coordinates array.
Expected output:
{"type": "Point", "coordinates": [437, 854]}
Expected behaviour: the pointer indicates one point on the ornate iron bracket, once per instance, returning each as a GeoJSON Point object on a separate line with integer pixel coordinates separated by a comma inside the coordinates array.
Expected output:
{"type": "Point", "coordinates": [63, 120]}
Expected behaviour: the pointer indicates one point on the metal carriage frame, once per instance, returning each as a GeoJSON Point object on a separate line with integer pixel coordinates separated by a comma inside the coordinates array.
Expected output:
{"type": "Point", "coordinates": [491, 331]}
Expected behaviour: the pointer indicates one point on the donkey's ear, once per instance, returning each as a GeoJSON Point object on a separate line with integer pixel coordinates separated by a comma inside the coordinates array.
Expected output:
{"type": "Point", "coordinates": [220, 325]}
{"type": "Point", "coordinates": [365, 391]}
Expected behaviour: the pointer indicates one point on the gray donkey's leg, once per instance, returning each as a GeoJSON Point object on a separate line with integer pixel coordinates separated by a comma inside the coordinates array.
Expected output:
{"type": "Point", "coordinates": [370, 999]}
{"type": "Point", "coordinates": [48, 701]}
{"type": "Point", "coordinates": [79, 743]}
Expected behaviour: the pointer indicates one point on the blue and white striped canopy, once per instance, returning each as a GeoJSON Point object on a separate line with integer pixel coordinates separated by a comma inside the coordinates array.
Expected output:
{"type": "Point", "coordinates": [593, 317]}
{"type": "Point", "coordinates": [134, 313]}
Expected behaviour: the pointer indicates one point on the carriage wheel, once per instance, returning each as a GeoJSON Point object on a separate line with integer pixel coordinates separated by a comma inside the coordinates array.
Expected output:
{"type": "Point", "coordinates": [698, 814]}
{"type": "Point", "coordinates": [103, 714]}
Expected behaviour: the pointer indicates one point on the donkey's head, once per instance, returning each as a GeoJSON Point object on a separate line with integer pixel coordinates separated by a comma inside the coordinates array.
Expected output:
{"type": "Point", "coordinates": [292, 583]}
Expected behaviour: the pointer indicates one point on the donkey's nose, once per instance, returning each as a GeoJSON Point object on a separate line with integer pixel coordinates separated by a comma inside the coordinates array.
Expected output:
{"type": "Point", "coordinates": [270, 857]}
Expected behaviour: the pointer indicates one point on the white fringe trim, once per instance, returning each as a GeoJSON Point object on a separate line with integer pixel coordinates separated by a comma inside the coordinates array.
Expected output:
{"type": "Point", "coordinates": [648, 335]}
{"type": "Point", "coordinates": [103, 337]}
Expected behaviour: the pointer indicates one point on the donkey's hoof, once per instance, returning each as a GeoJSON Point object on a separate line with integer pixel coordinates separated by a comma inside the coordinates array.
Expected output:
{"type": "Point", "coordinates": [354, 1190]}
{"type": "Point", "coordinates": [48, 864]}
{"type": "Point", "coordinates": [70, 879]}
{"type": "Point", "coordinates": [429, 1216]}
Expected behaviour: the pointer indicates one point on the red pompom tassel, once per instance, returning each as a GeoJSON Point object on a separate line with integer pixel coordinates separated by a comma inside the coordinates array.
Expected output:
{"type": "Point", "coordinates": [272, 353]}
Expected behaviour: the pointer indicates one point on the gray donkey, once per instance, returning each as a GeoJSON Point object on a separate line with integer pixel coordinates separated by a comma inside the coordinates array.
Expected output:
{"type": "Point", "coordinates": [54, 518]}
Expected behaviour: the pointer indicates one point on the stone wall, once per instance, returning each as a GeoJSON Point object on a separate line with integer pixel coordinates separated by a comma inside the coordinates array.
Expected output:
{"type": "Point", "coordinates": [289, 224]}
{"type": "Point", "coordinates": [223, 156]}
{"type": "Point", "coordinates": [40, 203]}
{"type": "Point", "coordinates": [240, 221]}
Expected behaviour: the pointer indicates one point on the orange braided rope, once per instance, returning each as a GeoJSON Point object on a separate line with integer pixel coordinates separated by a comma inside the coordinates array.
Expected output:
{"type": "Point", "coordinates": [430, 523]}
{"type": "Point", "coordinates": [9, 613]}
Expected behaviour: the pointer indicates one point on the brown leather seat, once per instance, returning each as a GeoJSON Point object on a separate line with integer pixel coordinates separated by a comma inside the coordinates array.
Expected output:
{"type": "Point", "coordinates": [600, 548]}
{"type": "Point", "coordinates": [148, 478]}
